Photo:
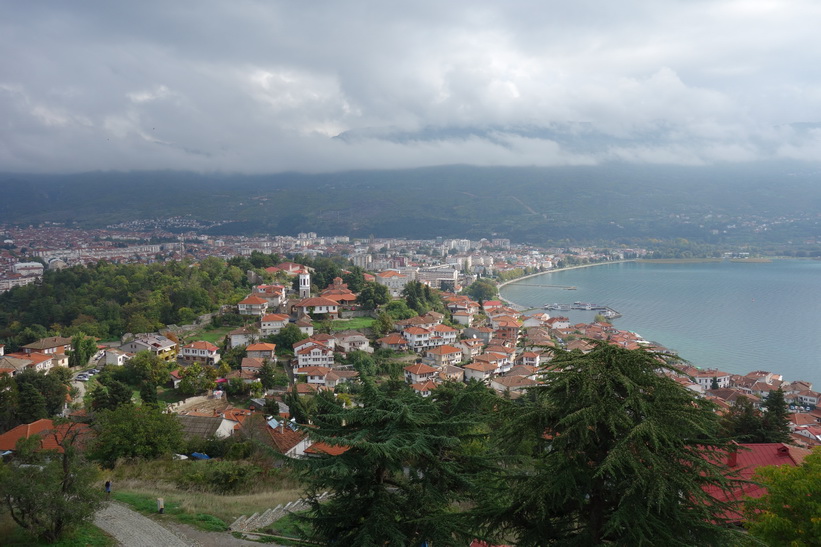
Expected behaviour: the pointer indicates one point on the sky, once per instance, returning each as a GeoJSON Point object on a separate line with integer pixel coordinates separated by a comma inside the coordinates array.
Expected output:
{"type": "Point", "coordinates": [268, 86]}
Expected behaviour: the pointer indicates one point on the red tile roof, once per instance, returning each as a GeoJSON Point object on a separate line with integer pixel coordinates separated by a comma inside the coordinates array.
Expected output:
{"type": "Point", "coordinates": [51, 435]}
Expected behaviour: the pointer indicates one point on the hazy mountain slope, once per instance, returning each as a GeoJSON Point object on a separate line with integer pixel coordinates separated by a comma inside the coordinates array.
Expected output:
{"type": "Point", "coordinates": [521, 203]}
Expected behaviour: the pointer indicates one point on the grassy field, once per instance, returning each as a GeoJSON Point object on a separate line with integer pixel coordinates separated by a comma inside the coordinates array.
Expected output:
{"type": "Point", "coordinates": [202, 509]}
{"type": "Point", "coordinates": [86, 535]}
{"type": "Point", "coordinates": [140, 484]}
{"type": "Point", "coordinates": [214, 335]}
{"type": "Point", "coordinates": [356, 323]}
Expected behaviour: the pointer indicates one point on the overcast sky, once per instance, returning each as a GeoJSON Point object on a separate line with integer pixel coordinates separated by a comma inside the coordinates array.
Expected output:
{"type": "Point", "coordinates": [265, 86]}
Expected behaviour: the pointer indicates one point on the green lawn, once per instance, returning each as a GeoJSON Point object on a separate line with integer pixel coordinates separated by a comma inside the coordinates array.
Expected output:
{"type": "Point", "coordinates": [86, 535]}
{"type": "Point", "coordinates": [214, 335]}
{"type": "Point", "coordinates": [172, 509]}
{"type": "Point", "coordinates": [357, 323]}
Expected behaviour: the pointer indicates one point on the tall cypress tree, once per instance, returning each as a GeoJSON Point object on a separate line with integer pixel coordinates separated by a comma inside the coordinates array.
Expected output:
{"type": "Point", "coordinates": [775, 422]}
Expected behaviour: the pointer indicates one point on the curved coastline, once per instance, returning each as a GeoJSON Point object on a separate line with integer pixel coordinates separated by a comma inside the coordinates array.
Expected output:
{"type": "Point", "coordinates": [519, 307]}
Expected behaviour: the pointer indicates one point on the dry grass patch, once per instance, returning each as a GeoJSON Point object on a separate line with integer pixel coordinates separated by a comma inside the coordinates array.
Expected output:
{"type": "Point", "coordinates": [224, 507]}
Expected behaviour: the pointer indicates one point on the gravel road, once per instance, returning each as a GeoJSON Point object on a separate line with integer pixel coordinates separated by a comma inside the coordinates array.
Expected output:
{"type": "Point", "coordinates": [131, 529]}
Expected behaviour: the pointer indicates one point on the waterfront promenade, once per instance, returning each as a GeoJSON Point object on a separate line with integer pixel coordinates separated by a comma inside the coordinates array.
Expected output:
{"type": "Point", "coordinates": [519, 307]}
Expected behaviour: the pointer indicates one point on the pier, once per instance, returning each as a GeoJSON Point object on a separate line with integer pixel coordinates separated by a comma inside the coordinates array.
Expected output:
{"type": "Point", "coordinates": [607, 311]}
{"type": "Point", "coordinates": [565, 287]}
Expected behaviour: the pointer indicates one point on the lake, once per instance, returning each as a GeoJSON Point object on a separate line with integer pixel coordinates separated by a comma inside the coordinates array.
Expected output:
{"type": "Point", "coordinates": [736, 317]}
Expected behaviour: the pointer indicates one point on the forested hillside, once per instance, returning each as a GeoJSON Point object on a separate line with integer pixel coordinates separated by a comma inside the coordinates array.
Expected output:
{"type": "Point", "coordinates": [583, 203]}
{"type": "Point", "coordinates": [106, 300]}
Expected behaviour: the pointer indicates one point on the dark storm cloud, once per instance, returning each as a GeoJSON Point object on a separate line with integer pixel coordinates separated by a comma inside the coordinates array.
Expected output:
{"type": "Point", "coordinates": [267, 86]}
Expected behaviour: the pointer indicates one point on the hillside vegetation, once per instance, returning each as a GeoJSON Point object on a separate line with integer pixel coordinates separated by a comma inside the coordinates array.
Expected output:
{"type": "Point", "coordinates": [613, 202]}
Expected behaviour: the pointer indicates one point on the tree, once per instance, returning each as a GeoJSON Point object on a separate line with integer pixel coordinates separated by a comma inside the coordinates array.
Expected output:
{"type": "Point", "coordinates": [46, 492]}
{"type": "Point", "coordinates": [402, 471]}
{"type": "Point", "coordinates": [110, 395]}
{"type": "Point", "coordinates": [196, 379]}
{"type": "Point", "coordinates": [743, 423]}
{"type": "Point", "coordinates": [287, 337]}
{"type": "Point", "coordinates": [788, 513]}
{"type": "Point", "coordinates": [148, 393]}
{"type": "Point", "coordinates": [52, 390]}
{"type": "Point", "coordinates": [775, 422]}
{"type": "Point", "coordinates": [145, 366]}
{"type": "Point", "coordinates": [613, 452]}
{"type": "Point", "coordinates": [267, 374]}
{"type": "Point", "coordinates": [714, 383]}
{"type": "Point", "coordinates": [134, 432]}
{"type": "Point", "coordinates": [373, 295]}
{"type": "Point", "coordinates": [355, 279]}
{"type": "Point", "coordinates": [398, 310]}
{"type": "Point", "coordinates": [31, 404]}
{"type": "Point", "coordinates": [82, 349]}
{"type": "Point", "coordinates": [482, 289]}
{"type": "Point", "coordinates": [9, 401]}
{"type": "Point", "coordinates": [383, 324]}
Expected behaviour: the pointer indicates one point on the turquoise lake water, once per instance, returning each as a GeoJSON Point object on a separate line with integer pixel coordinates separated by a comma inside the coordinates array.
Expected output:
{"type": "Point", "coordinates": [736, 317]}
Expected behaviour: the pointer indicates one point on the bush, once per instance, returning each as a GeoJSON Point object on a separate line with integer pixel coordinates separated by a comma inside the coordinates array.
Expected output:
{"type": "Point", "coordinates": [217, 476]}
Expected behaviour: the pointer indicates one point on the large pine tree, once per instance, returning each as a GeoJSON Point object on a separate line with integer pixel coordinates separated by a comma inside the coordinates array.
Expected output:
{"type": "Point", "coordinates": [614, 452]}
{"type": "Point", "coordinates": [407, 461]}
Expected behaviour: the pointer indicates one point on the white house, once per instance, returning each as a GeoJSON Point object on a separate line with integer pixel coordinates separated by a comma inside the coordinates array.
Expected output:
{"type": "Point", "coordinates": [418, 373]}
{"type": "Point", "coordinates": [272, 323]}
{"type": "Point", "coordinates": [253, 305]}
{"type": "Point", "coordinates": [314, 354]}
{"type": "Point", "coordinates": [317, 304]}
{"type": "Point", "coordinates": [200, 352]}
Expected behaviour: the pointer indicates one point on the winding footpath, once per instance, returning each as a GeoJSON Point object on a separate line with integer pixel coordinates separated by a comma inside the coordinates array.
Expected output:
{"type": "Point", "coordinates": [132, 529]}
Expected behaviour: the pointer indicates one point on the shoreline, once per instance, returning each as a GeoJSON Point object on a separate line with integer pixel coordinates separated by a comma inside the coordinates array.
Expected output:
{"type": "Point", "coordinates": [520, 307]}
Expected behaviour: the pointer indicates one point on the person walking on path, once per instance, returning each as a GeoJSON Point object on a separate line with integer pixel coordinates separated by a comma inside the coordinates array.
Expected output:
{"type": "Point", "coordinates": [108, 489]}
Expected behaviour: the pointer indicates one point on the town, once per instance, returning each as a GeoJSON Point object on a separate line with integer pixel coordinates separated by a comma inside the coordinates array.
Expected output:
{"type": "Point", "coordinates": [424, 312]}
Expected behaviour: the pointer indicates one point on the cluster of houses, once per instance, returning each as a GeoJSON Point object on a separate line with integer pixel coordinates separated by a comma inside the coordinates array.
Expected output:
{"type": "Point", "coordinates": [41, 356]}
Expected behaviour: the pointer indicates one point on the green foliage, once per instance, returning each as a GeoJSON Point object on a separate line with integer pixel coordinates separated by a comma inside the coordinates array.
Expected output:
{"type": "Point", "coordinates": [612, 452]}
{"type": "Point", "coordinates": [355, 279]}
{"type": "Point", "coordinates": [47, 493]}
{"type": "Point", "coordinates": [775, 421]}
{"type": "Point", "coordinates": [107, 300]}
{"type": "Point", "coordinates": [236, 387]}
{"type": "Point", "coordinates": [788, 514]}
{"type": "Point", "coordinates": [196, 378]}
{"type": "Point", "coordinates": [148, 505]}
{"type": "Point", "coordinates": [148, 393]}
{"type": "Point", "coordinates": [287, 337]}
{"type": "Point", "coordinates": [134, 432]}
{"type": "Point", "coordinates": [363, 363]}
{"type": "Point", "coordinates": [146, 367]}
{"type": "Point", "coordinates": [52, 390]}
{"type": "Point", "coordinates": [482, 289]}
{"type": "Point", "coordinates": [233, 357]}
{"type": "Point", "coordinates": [383, 325]}
{"type": "Point", "coordinates": [299, 406]}
{"type": "Point", "coordinates": [110, 395]}
{"type": "Point", "coordinates": [408, 462]}
{"type": "Point", "coordinates": [744, 423]}
{"type": "Point", "coordinates": [31, 403]}
{"type": "Point", "coordinates": [83, 349]}
{"type": "Point", "coordinates": [271, 375]}
{"type": "Point", "coordinates": [373, 295]}
{"type": "Point", "coordinates": [218, 476]}
{"type": "Point", "coordinates": [421, 298]}
{"type": "Point", "coordinates": [398, 310]}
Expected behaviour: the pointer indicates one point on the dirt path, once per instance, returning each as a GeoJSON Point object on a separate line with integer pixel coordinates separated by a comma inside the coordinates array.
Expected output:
{"type": "Point", "coordinates": [132, 529]}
